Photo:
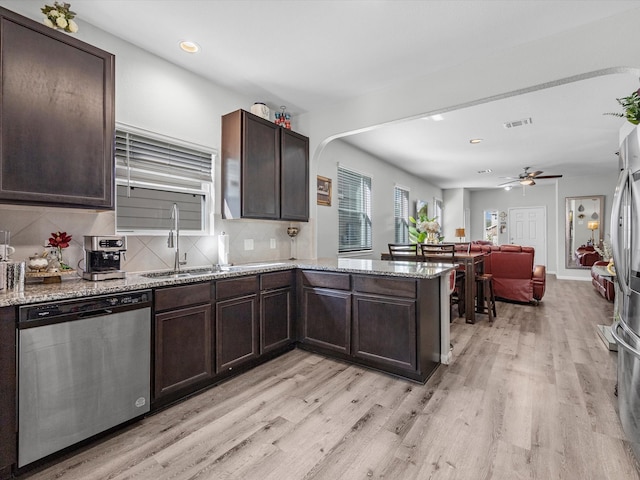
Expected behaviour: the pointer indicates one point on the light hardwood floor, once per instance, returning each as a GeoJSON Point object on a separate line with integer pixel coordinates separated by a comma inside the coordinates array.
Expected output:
{"type": "Point", "coordinates": [530, 397]}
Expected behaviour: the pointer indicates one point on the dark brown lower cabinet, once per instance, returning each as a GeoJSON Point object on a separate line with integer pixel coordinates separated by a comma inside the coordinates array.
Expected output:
{"type": "Point", "coordinates": [384, 331]}
{"type": "Point", "coordinates": [326, 319]}
{"type": "Point", "coordinates": [183, 349]}
{"type": "Point", "coordinates": [236, 332]}
{"type": "Point", "coordinates": [183, 345]}
{"type": "Point", "coordinates": [277, 310]}
{"type": "Point", "coordinates": [7, 391]}
{"type": "Point", "coordinates": [276, 319]}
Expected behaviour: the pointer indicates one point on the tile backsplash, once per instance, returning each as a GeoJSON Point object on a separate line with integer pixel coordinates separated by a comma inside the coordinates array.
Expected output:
{"type": "Point", "coordinates": [31, 228]}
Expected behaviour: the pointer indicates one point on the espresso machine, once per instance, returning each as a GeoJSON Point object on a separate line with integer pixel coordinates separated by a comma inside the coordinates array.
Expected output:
{"type": "Point", "coordinates": [102, 255]}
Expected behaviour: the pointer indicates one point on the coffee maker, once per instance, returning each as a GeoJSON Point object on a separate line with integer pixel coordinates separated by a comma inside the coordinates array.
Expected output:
{"type": "Point", "coordinates": [102, 255]}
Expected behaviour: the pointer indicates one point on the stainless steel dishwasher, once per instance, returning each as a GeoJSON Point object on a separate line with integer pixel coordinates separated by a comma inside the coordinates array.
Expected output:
{"type": "Point", "coordinates": [84, 367]}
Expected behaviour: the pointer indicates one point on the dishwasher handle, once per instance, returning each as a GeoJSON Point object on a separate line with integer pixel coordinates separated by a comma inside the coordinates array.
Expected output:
{"type": "Point", "coordinates": [95, 313]}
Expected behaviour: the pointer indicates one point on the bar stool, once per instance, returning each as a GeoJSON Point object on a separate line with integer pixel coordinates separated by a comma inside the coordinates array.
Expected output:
{"type": "Point", "coordinates": [484, 284]}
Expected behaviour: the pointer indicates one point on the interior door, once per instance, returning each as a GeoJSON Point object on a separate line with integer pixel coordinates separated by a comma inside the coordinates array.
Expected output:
{"type": "Point", "coordinates": [528, 227]}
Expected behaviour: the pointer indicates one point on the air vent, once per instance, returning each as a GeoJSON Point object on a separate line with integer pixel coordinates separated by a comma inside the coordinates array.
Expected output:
{"type": "Point", "coordinates": [518, 123]}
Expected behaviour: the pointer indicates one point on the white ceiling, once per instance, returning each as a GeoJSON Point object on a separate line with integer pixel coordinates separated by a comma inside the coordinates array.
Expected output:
{"type": "Point", "coordinates": [311, 54]}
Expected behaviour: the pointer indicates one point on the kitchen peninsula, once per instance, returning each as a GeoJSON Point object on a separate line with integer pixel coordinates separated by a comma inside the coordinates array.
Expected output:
{"type": "Point", "coordinates": [389, 316]}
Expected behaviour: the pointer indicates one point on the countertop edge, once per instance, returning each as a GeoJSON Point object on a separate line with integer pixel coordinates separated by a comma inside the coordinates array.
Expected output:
{"type": "Point", "coordinates": [79, 288]}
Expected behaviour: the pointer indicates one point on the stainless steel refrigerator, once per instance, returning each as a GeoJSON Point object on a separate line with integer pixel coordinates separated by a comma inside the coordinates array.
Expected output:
{"type": "Point", "coordinates": [625, 240]}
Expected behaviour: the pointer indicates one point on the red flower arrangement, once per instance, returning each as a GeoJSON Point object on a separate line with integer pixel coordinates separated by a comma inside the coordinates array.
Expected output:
{"type": "Point", "coordinates": [60, 240]}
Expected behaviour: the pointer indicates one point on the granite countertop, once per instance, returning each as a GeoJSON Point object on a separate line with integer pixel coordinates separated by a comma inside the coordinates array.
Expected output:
{"type": "Point", "coordinates": [77, 287]}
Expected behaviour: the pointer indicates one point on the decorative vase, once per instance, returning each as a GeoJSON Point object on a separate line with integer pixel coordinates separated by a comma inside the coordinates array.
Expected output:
{"type": "Point", "coordinates": [432, 237]}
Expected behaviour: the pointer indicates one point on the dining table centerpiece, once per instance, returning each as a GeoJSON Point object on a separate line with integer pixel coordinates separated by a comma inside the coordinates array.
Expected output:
{"type": "Point", "coordinates": [424, 230]}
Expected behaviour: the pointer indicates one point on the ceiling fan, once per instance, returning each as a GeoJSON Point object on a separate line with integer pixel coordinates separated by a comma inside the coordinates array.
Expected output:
{"type": "Point", "coordinates": [526, 178]}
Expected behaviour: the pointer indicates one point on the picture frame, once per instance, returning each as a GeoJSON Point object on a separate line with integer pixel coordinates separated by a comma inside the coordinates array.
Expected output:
{"type": "Point", "coordinates": [323, 191]}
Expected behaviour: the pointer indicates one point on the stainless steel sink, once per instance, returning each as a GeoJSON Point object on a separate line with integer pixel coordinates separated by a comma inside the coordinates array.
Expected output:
{"type": "Point", "coordinates": [211, 271]}
{"type": "Point", "coordinates": [183, 274]}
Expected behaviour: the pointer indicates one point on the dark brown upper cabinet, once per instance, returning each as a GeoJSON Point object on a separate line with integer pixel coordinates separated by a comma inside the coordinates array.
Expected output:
{"type": "Point", "coordinates": [265, 169]}
{"type": "Point", "coordinates": [57, 117]}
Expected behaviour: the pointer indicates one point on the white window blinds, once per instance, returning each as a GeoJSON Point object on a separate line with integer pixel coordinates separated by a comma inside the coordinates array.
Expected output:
{"type": "Point", "coordinates": [401, 214]}
{"type": "Point", "coordinates": [145, 158]}
{"type": "Point", "coordinates": [354, 211]}
{"type": "Point", "coordinates": [153, 173]}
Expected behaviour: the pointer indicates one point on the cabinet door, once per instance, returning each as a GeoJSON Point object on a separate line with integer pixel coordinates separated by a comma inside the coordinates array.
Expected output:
{"type": "Point", "coordinates": [183, 349]}
{"type": "Point", "coordinates": [260, 168]}
{"type": "Point", "coordinates": [57, 110]}
{"type": "Point", "coordinates": [294, 176]}
{"type": "Point", "coordinates": [276, 315]}
{"type": "Point", "coordinates": [384, 331]}
{"type": "Point", "coordinates": [7, 391]}
{"type": "Point", "coordinates": [326, 319]}
{"type": "Point", "coordinates": [236, 332]}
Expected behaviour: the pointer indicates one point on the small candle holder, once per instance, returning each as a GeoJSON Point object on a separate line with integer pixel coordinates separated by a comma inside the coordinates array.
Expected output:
{"type": "Point", "coordinates": [293, 232]}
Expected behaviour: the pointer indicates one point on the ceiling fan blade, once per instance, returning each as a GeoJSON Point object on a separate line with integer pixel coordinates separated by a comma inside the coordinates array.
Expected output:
{"type": "Point", "coordinates": [515, 180]}
{"type": "Point", "coordinates": [549, 176]}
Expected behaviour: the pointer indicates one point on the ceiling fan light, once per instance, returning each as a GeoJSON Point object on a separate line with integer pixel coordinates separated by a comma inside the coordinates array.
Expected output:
{"type": "Point", "coordinates": [527, 181]}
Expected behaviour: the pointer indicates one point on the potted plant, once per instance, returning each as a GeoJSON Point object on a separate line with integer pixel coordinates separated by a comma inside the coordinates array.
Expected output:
{"type": "Point", "coordinates": [631, 105]}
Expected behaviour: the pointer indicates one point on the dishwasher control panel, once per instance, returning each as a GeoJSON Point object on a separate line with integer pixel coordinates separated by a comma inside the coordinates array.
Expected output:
{"type": "Point", "coordinates": [79, 308]}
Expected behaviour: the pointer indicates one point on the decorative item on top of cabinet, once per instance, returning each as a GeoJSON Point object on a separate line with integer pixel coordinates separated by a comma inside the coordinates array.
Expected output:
{"type": "Point", "coordinates": [60, 16]}
{"type": "Point", "coordinates": [58, 121]}
{"type": "Point", "coordinates": [265, 169]}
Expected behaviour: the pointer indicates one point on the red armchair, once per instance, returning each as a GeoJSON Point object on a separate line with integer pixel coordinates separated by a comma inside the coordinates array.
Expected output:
{"type": "Point", "coordinates": [514, 275]}
{"type": "Point", "coordinates": [602, 283]}
{"type": "Point", "coordinates": [586, 255]}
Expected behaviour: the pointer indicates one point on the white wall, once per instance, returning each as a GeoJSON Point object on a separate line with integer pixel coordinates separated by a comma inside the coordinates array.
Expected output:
{"type": "Point", "coordinates": [384, 178]}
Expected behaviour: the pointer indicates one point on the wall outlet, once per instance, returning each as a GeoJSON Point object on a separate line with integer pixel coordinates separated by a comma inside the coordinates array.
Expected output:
{"type": "Point", "coordinates": [248, 243]}
{"type": "Point", "coordinates": [272, 243]}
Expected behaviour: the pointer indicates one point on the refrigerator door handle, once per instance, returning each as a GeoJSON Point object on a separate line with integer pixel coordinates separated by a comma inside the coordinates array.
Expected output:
{"type": "Point", "coordinates": [614, 333]}
{"type": "Point", "coordinates": [618, 261]}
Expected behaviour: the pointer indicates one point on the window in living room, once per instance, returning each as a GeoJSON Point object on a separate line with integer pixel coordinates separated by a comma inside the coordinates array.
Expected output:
{"type": "Point", "coordinates": [354, 211]}
{"type": "Point", "coordinates": [491, 226]}
{"type": "Point", "coordinates": [401, 213]}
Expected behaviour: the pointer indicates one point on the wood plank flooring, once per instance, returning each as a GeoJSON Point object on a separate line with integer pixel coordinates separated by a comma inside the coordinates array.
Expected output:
{"type": "Point", "coordinates": [529, 397]}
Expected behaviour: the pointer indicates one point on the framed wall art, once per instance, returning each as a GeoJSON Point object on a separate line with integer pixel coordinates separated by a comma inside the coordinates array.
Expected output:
{"type": "Point", "coordinates": [323, 190]}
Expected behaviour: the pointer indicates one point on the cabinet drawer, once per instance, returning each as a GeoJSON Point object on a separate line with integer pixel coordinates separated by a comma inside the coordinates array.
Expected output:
{"type": "Point", "coordinates": [394, 287]}
{"type": "Point", "coordinates": [236, 287]}
{"type": "Point", "coordinates": [269, 281]}
{"type": "Point", "coordinates": [175, 297]}
{"type": "Point", "coordinates": [338, 281]}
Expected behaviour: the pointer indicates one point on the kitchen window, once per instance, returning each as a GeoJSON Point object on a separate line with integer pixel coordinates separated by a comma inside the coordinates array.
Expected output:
{"type": "Point", "coordinates": [152, 173]}
{"type": "Point", "coordinates": [401, 213]}
{"type": "Point", "coordinates": [354, 211]}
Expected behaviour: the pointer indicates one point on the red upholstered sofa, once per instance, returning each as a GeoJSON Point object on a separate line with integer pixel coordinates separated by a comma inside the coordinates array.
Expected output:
{"type": "Point", "coordinates": [514, 275]}
{"type": "Point", "coordinates": [602, 283]}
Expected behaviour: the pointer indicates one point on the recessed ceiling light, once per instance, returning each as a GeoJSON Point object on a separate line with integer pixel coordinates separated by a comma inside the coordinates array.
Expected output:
{"type": "Point", "coordinates": [475, 140]}
{"type": "Point", "coordinates": [189, 47]}
{"type": "Point", "coordinates": [508, 187]}
{"type": "Point", "coordinates": [487, 170]}
{"type": "Point", "coordinates": [436, 118]}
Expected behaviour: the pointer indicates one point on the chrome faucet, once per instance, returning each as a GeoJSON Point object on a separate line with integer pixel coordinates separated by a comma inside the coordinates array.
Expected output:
{"type": "Point", "coordinates": [175, 216]}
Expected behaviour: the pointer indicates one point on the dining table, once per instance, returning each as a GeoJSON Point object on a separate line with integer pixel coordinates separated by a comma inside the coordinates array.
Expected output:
{"type": "Point", "coordinates": [472, 262]}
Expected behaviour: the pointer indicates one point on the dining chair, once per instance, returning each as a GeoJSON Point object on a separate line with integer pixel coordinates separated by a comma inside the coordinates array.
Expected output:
{"type": "Point", "coordinates": [403, 251]}
{"type": "Point", "coordinates": [446, 253]}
